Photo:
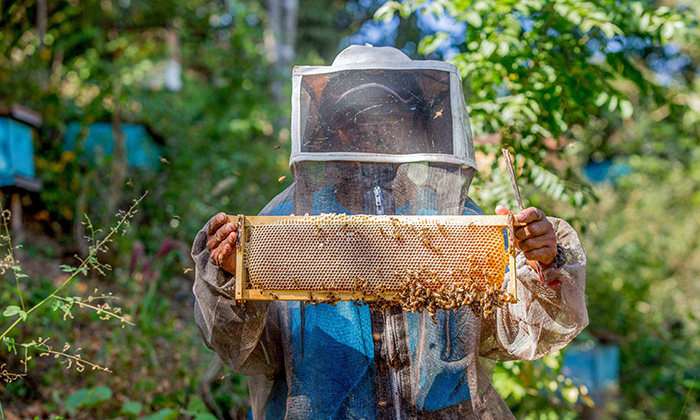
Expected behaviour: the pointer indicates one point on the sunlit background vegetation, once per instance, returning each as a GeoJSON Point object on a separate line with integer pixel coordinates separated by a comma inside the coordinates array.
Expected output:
{"type": "Point", "coordinates": [188, 100]}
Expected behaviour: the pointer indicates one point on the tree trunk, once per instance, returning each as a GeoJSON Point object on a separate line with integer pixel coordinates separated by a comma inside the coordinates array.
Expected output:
{"type": "Point", "coordinates": [119, 164]}
{"type": "Point", "coordinates": [16, 219]}
{"type": "Point", "coordinates": [280, 41]}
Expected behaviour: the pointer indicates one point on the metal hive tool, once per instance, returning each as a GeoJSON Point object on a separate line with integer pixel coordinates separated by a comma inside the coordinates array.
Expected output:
{"type": "Point", "coordinates": [452, 260]}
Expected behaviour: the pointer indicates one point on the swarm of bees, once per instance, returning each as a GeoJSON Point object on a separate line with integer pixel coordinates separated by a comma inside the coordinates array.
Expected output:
{"type": "Point", "coordinates": [422, 291]}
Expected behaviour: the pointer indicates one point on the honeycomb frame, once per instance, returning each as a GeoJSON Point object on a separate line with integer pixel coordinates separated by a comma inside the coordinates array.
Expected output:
{"type": "Point", "coordinates": [455, 245]}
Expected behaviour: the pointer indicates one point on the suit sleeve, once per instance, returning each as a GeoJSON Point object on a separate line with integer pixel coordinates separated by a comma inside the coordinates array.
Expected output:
{"type": "Point", "coordinates": [545, 319]}
{"type": "Point", "coordinates": [242, 334]}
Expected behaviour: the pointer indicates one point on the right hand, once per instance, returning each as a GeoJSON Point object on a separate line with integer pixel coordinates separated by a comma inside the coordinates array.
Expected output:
{"type": "Point", "coordinates": [221, 242]}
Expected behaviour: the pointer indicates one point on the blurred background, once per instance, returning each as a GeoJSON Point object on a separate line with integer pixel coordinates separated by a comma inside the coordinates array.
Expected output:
{"type": "Point", "coordinates": [102, 101]}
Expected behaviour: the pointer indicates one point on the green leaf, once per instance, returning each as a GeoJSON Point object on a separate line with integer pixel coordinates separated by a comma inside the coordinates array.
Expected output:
{"type": "Point", "coordinates": [487, 48]}
{"type": "Point", "coordinates": [131, 407]}
{"type": "Point", "coordinates": [387, 11]}
{"type": "Point", "coordinates": [644, 22]}
{"type": "Point", "coordinates": [165, 414]}
{"type": "Point", "coordinates": [67, 268]}
{"type": "Point", "coordinates": [11, 310]}
{"type": "Point", "coordinates": [205, 416]}
{"type": "Point", "coordinates": [97, 395]}
{"type": "Point", "coordinates": [626, 109]}
{"type": "Point", "coordinates": [473, 18]}
{"type": "Point", "coordinates": [88, 397]}
{"type": "Point", "coordinates": [667, 31]}
{"type": "Point", "coordinates": [601, 99]}
{"type": "Point", "coordinates": [431, 43]}
{"type": "Point", "coordinates": [75, 399]}
{"type": "Point", "coordinates": [196, 405]}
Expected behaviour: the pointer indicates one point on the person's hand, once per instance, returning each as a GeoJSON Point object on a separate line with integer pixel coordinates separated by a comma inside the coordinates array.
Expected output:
{"type": "Point", "coordinates": [536, 239]}
{"type": "Point", "coordinates": [221, 241]}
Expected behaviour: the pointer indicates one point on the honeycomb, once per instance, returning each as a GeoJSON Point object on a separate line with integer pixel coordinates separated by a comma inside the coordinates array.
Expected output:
{"type": "Point", "coordinates": [341, 254]}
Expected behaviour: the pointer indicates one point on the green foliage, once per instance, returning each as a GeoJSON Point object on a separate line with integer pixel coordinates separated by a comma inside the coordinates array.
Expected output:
{"type": "Point", "coordinates": [643, 250]}
{"type": "Point", "coordinates": [534, 70]}
{"type": "Point", "coordinates": [99, 60]}
{"type": "Point", "coordinates": [538, 389]}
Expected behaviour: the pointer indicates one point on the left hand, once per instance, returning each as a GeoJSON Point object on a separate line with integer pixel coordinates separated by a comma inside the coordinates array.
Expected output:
{"type": "Point", "coordinates": [536, 239]}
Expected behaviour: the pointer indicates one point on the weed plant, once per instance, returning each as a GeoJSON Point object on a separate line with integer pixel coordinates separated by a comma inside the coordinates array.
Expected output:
{"type": "Point", "coordinates": [23, 311]}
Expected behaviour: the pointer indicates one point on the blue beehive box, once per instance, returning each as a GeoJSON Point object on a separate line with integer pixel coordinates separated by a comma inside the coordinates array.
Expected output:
{"type": "Point", "coordinates": [17, 126]}
{"type": "Point", "coordinates": [142, 150]}
{"type": "Point", "coordinates": [596, 364]}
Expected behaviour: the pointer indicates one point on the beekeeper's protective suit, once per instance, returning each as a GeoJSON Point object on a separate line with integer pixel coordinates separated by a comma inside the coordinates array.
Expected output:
{"type": "Point", "coordinates": [377, 133]}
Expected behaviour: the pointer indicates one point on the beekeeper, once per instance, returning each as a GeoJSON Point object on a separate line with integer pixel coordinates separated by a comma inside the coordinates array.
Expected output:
{"type": "Point", "coordinates": [378, 133]}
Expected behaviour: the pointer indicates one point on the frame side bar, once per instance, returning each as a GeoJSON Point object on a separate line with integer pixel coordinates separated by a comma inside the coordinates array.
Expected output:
{"type": "Point", "coordinates": [240, 244]}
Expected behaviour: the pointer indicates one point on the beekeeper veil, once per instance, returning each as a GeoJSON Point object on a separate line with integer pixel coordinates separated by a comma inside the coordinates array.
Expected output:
{"type": "Point", "coordinates": [379, 133]}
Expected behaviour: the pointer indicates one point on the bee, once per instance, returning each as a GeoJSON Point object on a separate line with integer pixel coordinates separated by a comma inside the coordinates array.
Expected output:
{"type": "Point", "coordinates": [282, 178]}
{"type": "Point", "coordinates": [276, 147]}
{"type": "Point", "coordinates": [274, 296]}
{"type": "Point", "coordinates": [129, 183]}
{"type": "Point", "coordinates": [296, 282]}
{"type": "Point", "coordinates": [438, 114]}
{"type": "Point", "coordinates": [187, 270]}
{"type": "Point", "coordinates": [163, 160]}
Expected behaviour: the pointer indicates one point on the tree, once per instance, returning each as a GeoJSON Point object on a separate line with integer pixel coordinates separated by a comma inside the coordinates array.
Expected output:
{"type": "Point", "coordinates": [536, 70]}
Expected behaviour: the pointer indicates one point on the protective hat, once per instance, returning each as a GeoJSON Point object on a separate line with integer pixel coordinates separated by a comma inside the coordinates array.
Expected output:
{"type": "Point", "coordinates": [379, 133]}
{"type": "Point", "coordinates": [374, 104]}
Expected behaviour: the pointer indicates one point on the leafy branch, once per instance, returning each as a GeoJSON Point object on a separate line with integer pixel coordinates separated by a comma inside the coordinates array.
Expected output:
{"type": "Point", "coordinates": [88, 263]}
